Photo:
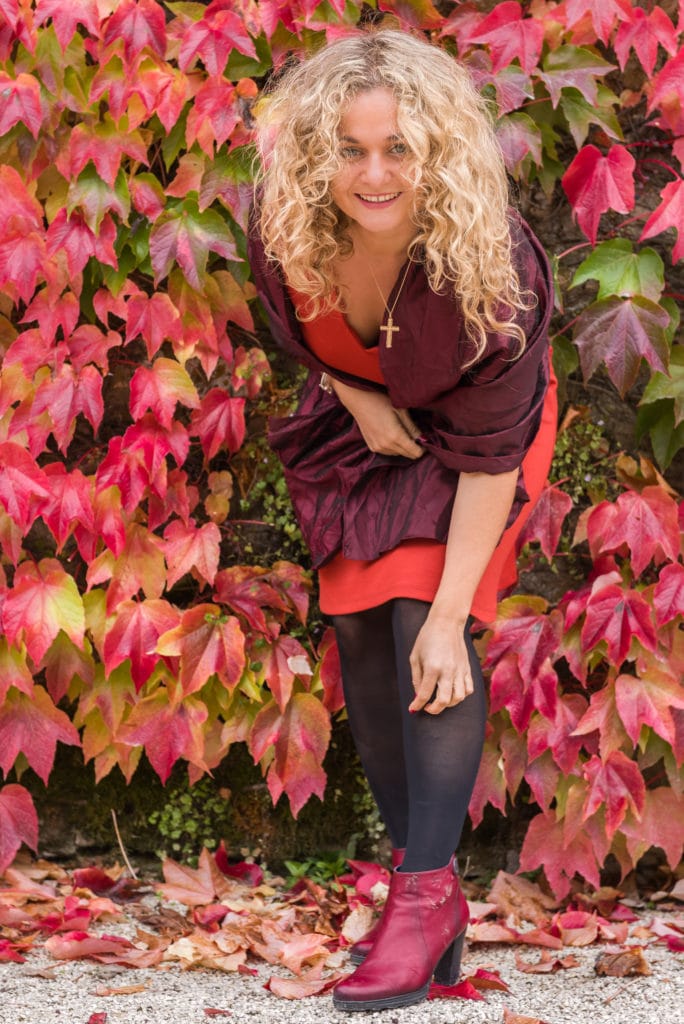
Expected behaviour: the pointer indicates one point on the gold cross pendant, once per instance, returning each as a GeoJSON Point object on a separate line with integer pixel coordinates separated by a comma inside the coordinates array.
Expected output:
{"type": "Point", "coordinates": [389, 330]}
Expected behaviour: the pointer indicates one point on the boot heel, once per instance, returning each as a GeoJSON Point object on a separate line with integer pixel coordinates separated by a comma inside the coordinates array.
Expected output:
{"type": "Point", "coordinates": [449, 967]}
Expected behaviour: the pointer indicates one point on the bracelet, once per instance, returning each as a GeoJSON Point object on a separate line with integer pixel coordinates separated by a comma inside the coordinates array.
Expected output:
{"type": "Point", "coordinates": [326, 383]}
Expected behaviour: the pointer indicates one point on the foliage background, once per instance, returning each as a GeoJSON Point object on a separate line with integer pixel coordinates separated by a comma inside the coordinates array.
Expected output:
{"type": "Point", "coordinates": [134, 388]}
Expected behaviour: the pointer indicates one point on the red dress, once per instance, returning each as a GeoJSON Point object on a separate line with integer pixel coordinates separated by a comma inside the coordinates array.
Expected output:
{"type": "Point", "coordinates": [414, 568]}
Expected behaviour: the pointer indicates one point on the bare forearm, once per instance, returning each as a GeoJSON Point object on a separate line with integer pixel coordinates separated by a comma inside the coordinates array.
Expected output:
{"type": "Point", "coordinates": [479, 515]}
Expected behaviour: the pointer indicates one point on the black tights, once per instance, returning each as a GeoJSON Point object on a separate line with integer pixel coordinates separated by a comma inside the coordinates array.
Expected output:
{"type": "Point", "coordinates": [421, 768]}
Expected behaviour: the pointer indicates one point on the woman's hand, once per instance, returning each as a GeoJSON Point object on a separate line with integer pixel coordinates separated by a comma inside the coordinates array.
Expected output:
{"type": "Point", "coordinates": [386, 430]}
{"type": "Point", "coordinates": [440, 667]}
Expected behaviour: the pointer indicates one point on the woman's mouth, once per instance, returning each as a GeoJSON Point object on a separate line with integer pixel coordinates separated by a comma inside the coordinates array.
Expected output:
{"type": "Point", "coordinates": [378, 200]}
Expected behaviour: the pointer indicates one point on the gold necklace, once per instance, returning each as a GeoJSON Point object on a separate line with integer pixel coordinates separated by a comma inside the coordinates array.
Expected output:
{"type": "Point", "coordinates": [389, 328]}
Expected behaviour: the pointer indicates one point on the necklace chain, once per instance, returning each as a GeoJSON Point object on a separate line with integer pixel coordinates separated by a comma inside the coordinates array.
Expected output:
{"type": "Point", "coordinates": [389, 328]}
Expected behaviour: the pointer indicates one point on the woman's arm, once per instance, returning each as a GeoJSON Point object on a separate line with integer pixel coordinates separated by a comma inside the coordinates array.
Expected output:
{"type": "Point", "coordinates": [439, 660]}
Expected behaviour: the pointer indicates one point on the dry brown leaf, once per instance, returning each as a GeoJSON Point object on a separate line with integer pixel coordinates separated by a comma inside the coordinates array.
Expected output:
{"type": "Point", "coordinates": [124, 990]}
{"type": "Point", "coordinates": [521, 900]}
{"type": "Point", "coordinates": [199, 950]}
{"type": "Point", "coordinates": [490, 931]}
{"type": "Point", "coordinates": [622, 964]}
{"type": "Point", "coordinates": [358, 923]}
{"type": "Point", "coordinates": [547, 964]}
{"type": "Point", "coordinates": [300, 988]}
{"type": "Point", "coordinates": [300, 949]}
{"type": "Point", "coordinates": [515, 1018]}
{"type": "Point", "coordinates": [677, 892]}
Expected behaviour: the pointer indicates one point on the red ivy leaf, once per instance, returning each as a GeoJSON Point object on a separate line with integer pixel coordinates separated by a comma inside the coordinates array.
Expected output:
{"type": "Point", "coordinates": [43, 600]}
{"type": "Point", "coordinates": [212, 39]}
{"type": "Point", "coordinates": [66, 396]}
{"type": "Point", "coordinates": [168, 731]}
{"type": "Point", "coordinates": [603, 14]}
{"type": "Point", "coordinates": [23, 485]}
{"type": "Point", "coordinates": [69, 504]}
{"type": "Point", "coordinates": [648, 700]}
{"type": "Point", "coordinates": [330, 672]}
{"type": "Point", "coordinates": [72, 234]}
{"type": "Point", "coordinates": [192, 548]}
{"type": "Point", "coordinates": [219, 422]}
{"type": "Point", "coordinates": [248, 589]}
{"type": "Point", "coordinates": [214, 115]}
{"type": "Point", "coordinates": [620, 332]}
{"type": "Point", "coordinates": [668, 596]}
{"type": "Point", "coordinates": [300, 737]}
{"type": "Point", "coordinates": [511, 36]}
{"type": "Point", "coordinates": [602, 717]}
{"type": "Point", "coordinates": [105, 145]}
{"type": "Point", "coordinates": [546, 521]}
{"type": "Point", "coordinates": [646, 523]}
{"type": "Point", "coordinates": [544, 846]}
{"type": "Point", "coordinates": [615, 784]}
{"type": "Point", "coordinates": [661, 823]}
{"type": "Point", "coordinates": [159, 388]}
{"type": "Point", "coordinates": [667, 92]}
{"type": "Point", "coordinates": [18, 823]}
{"type": "Point", "coordinates": [65, 17]}
{"type": "Point", "coordinates": [13, 670]}
{"type": "Point", "coordinates": [33, 725]}
{"type": "Point", "coordinates": [20, 103]}
{"type": "Point", "coordinates": [463, 990]}
{"type": "Point", "coordinates": [22, 259]}
{"type": "Point", "coordinates": [155, 318]}
{"type": "Point", "coordinates": [617, 616]}
{"type": "Point", "coordinates": [208, 643]}
{"type": "Point", "coordinates": [559, 734]}
{"type": "Point", "coordinates": [140, 24]}
{"type": "Point", "coordinates": [282, 662]}
{"type": "Point", "coordinates": [670, 214]}
{"type": "Point", "coordinates": [643, 33]}
{"type": "Point", "coordinates": [186, 236]}
{"type": "Point", "coordinates": [595, 183]}
{"type": "Point", "coordinates": [134, 634]}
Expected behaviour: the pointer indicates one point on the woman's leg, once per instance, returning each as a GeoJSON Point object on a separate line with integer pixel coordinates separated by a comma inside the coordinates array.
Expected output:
{"type": "Point", "coordinates": [366, 644]}
{"type": "Point", "coordinates": [442, 752]}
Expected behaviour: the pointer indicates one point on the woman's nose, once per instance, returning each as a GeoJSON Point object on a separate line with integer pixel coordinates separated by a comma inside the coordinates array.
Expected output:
{"type": "Point", "coordinates": [376, 168]}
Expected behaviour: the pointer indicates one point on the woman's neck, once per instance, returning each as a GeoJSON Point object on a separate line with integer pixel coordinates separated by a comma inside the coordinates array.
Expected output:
{"type": "Point", "coordinates": [376, 246]}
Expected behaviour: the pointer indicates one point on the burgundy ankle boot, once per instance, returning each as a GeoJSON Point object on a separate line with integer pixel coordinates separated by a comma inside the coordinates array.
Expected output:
{"type": "Point", "coordinates": [421, 933]}
{"type": "Point", "coordinates": [360, 950]}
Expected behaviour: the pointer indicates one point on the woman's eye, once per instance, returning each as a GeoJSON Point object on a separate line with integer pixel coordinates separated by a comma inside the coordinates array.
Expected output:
{"type": "Point", "coordinates": [350, 152]}
{"type": "Point", "coordinates": [399, 149]}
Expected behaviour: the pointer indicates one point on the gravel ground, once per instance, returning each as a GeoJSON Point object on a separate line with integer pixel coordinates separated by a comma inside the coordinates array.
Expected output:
{"type": "Point", "coordinates": [173, 996]}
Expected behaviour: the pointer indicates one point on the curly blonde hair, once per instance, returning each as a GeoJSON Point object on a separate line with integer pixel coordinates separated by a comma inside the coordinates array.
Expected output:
{"type": "Point", "coordinates": [454, 164]}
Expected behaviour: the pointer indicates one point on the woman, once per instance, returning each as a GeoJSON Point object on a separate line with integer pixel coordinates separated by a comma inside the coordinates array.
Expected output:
{"type": "Point", "coordinates": [388, 261]}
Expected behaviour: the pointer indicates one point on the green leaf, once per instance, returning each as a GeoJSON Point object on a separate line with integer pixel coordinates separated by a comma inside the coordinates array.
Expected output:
{"type": "Point", "coordinates": [580, 114]}
{"type": "Point", "coordinates": [94, 197]}
{"type": "Point", "coordinates": [240, 66]}
{"type": "Point", "coordinates": [662, 386]}
{"type": "Point", "coordinates": [185, 236]}
{"type": "Point", "coordinates": [576, 68]}
{"type": "Point", "coordinates": [620, 271]}
{"type": "Point", "coordinates": [657, 420]}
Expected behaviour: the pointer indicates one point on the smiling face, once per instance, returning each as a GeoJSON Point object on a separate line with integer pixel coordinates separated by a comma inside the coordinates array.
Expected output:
{"type": "Point", "coordinates": [372, 188]}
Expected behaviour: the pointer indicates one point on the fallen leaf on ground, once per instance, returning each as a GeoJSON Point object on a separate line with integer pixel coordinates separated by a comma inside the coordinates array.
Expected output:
{"type": "Point", "coordinates": [677, 893]}
{"type": "Point", "coordinates": [216, 1013]}
{"type": "Point", "coordinates": [300, 988]}
{"type": "Point", "coordinates": [463, 990]}
{"type": "Point", "coordinates": [124, 990]}
{"type": "Point", "coordinates": [483, 979]}
{"type": "Point", "coordinates": [576, 927]}
{"type": "Point", "coordinates": [521, 900]}
{"type": "Point", "coordinates": [538, 937]}
{"type": "Point", "coordinates": [490, 931]}
{"type": "Point", "coordinates": [198, 950]}
{"type": "Point", "coordinates": [622, 964]}
{"type": "Point", "coordinates": [515, 1018]}
{"type": "Point", "coordinates": [97, 1018]}
{"type": "Point", "coordinates": [358, 923]}
{"type": "Point", "coordinates": [547, 964]}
